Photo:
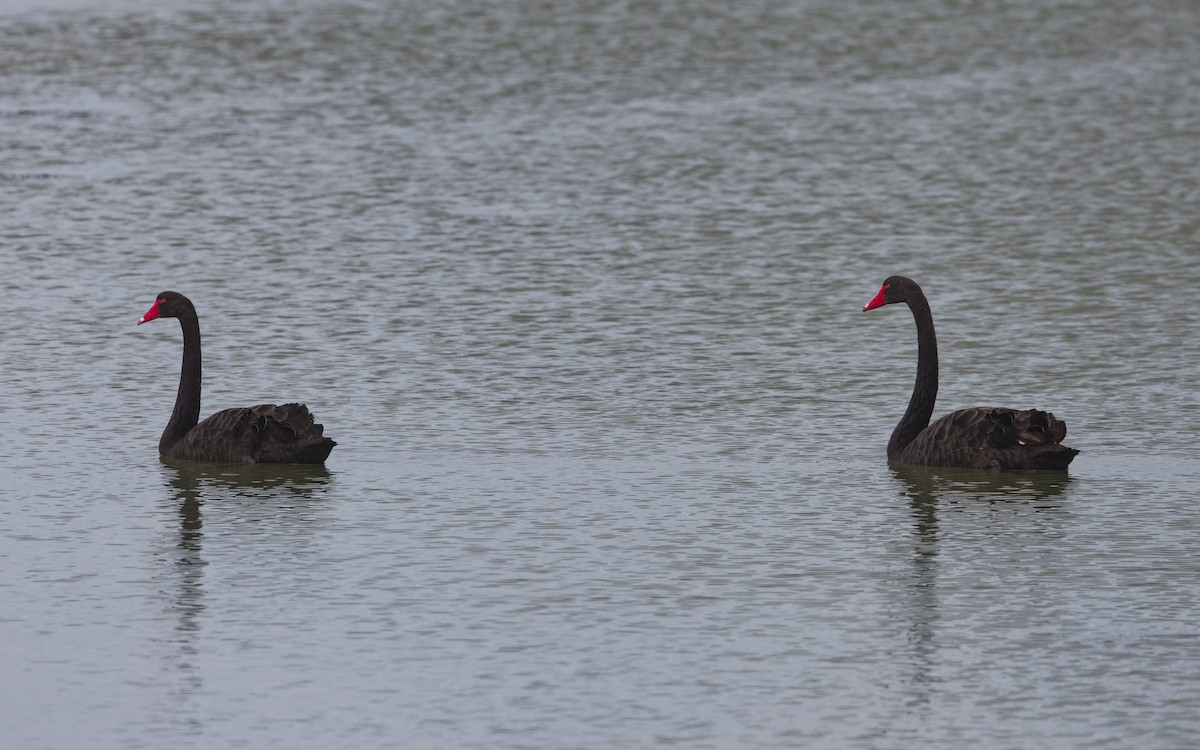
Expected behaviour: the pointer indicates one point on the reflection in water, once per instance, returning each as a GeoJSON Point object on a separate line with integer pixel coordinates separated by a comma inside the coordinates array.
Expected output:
{"type": "Point", "coordinates": [926, 484]}
{"type": "Point", "coordinates": [245, 480]}
{"type": "Point", "coordinates": [926, 488]}
{"type": "Point", "coordinates": [191, 485]}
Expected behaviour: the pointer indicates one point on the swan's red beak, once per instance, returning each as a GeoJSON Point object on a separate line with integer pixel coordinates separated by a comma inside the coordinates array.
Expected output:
{"type": "Point", "coordinates": [878, 301]}
{"type": "Point", "coordinates": [151, 314]}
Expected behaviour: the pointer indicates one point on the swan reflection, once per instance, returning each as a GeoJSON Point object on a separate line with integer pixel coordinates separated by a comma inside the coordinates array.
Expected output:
{"type": "Point", "coordinates": [193, 484]}
{"type": "Point", "coordinates": [925, 486]}
{"type": "Point", "coordinates": [930, 491]}
{"type": "Point", "coordinates": [284, 492]}
{"type": "Point", "coordinates": [245, 480]}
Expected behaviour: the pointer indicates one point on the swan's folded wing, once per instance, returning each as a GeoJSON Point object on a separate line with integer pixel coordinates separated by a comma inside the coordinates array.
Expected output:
{"type": "Point", "coordinates": [994, 437]}
{"type": "Point", "coordinates": [288, 434]}
{"type": "Point", "coordinates": [227, 435]}
{"type": "Point", "coordinates": [267, 433]}
{"type": "Point", "coordinates": [1008, 427]}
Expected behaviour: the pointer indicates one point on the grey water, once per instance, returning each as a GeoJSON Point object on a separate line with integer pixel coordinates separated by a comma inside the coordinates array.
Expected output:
{"type": "Point", "coordinates": [577, 288]}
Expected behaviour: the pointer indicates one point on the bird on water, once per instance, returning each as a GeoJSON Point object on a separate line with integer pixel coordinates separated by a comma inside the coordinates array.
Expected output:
{"type": "Point", "coordinates": [267, 433]}
{"type": "Point", "coordinates": [983, 437]}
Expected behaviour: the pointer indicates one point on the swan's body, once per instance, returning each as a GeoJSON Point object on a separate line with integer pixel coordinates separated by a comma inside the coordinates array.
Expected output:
{"type": "Point", "coordinates": [977, 438]}
{"type": "Point", "coordinates": [255, 434]}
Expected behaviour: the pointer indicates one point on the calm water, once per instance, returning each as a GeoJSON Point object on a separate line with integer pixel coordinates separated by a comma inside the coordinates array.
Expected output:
{"type": "Point", "coordinates": [577, 287]}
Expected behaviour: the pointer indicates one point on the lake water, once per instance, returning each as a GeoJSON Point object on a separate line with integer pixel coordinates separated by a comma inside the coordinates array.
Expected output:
{"type": "Point", "coordinates": [577, 288]}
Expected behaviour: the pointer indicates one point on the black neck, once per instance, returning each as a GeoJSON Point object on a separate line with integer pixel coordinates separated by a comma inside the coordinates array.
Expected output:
{"type": "Point", "coordinates": [187, 402]}
{"type": "Point", "coordinates": [920, 406]}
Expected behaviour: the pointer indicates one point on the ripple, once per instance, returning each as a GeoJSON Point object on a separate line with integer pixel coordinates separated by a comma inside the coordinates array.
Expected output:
{"type": "Point", "coordinates": [578, 294]}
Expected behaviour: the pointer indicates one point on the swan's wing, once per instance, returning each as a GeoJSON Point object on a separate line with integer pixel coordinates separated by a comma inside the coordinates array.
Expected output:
{"type": "Point", "coordinates": [995, 437]}
{"type": "Point", "coordinates": [224, 436]}
{"type": "Point", "coordinates": [267, 433]}
{"type": "Point", "coordinates": [1008, 427]}
{"type": "Point", "coordinates": [996, 427]}
{"type": "Point", "coordinates": [289, 434]}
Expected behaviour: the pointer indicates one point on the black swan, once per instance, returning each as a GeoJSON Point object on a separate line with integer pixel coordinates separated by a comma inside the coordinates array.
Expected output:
{"type": "Point", "coordinates": [978, 438]}
{"type": "Point", "coordinates": [283, 434]}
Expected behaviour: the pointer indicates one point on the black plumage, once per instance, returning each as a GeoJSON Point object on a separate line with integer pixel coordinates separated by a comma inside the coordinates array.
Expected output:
{"type": "Point", "coordinates": [267, 433]}
{"type": "Point", "coordinates": [978, 438]}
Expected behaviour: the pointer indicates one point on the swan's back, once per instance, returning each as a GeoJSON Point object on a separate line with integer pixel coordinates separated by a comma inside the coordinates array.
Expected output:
{"type": "Point", "coordinates": [989, 437]}
{"type": "Point", "coordinates": [267, 433]}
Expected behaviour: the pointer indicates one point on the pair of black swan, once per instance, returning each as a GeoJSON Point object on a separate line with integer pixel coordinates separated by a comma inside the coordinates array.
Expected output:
{"type": "Point", "coordinates": [268, 433]}
{"type": "Point", "coordinates": [978, 438]}
{"type": "Point", "coordinates": [983, 437]}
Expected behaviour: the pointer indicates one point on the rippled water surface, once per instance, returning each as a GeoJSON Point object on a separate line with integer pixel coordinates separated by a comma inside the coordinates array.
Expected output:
{"type": "Point", "coordinates": [577, 288]}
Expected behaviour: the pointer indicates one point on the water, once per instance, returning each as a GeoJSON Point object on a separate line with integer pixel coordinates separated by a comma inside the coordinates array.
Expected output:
{"type": "Point", "coordinates": [577, 288]}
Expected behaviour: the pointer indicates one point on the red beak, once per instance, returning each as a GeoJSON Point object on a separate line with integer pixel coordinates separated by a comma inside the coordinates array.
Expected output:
{"type": "Point", "coordinates": [878, 301]}
{"type": "Point", "coordinates": [152, 313]}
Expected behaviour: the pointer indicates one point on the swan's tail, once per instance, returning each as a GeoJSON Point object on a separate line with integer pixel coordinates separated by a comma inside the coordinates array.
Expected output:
{"type": "Point", "coordinates": [288, 434]}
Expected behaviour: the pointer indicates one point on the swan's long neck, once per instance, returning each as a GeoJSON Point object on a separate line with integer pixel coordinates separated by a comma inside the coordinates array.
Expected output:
{"type": "Point", "coordinates": [920, 406]}
{"type": "Point", "coordinates": [187, 402]}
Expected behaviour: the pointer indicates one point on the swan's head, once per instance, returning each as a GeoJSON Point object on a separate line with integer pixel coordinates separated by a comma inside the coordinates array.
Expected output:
{"type": "Point", "coordinates": [895, 289]}
{"type": "Point", "coordinates": [168, 305]}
